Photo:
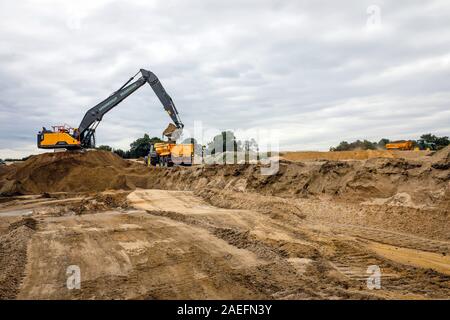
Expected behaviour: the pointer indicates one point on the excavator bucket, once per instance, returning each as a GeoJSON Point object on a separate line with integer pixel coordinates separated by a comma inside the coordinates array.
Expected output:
{"type": "Point", "coordinates": [172, 132]}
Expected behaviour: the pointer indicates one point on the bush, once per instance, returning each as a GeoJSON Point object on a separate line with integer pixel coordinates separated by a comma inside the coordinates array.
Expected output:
{"type": "Point", "coordinates": [140, 147]}
{"type": "Point", "coordinates": [439, 142]}
{"type": "Point", "coordinates": [105, 148]}
{"type": "Point", "coordinates": [357, 145]}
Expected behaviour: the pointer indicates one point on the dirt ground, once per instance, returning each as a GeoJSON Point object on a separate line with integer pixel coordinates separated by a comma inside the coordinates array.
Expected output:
{"type": "Point", "coordinates": [314, 230]}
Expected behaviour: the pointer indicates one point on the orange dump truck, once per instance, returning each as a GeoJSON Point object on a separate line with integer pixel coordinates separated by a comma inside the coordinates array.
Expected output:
{"type": "Point", "coordinates": [167, 154]}
{"type": "Point", "coordinates": [401, 145]}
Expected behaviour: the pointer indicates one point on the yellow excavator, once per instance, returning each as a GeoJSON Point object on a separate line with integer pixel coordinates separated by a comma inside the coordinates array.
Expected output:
{"type": "Point", "coordinates": [66, 137]}
{"type": "Point", "coordinates": [84, 136]}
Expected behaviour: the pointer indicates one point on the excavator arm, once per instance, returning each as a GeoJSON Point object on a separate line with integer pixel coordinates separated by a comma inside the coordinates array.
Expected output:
{"type": "Point", "coordinates": [83, 136]}
{"type": "Point", "coordinates": [162, 95]}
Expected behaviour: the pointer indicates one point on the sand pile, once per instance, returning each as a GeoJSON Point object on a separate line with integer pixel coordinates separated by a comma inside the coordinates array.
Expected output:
{"type": "Point", "coordinates": [4, 169]}
{"type": "Point", "coordinates": [441, 159]}
{"type": "Point", "coordinates": [64, 171]}
{"type": "Point", "coordinates": [442, 155]}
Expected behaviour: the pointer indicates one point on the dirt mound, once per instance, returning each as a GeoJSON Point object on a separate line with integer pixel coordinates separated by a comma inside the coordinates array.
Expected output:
{"type": "Point", "coordinates": [64, 171]}
{"type": "Point", "coordinates": [4, 169]}
{"type": "Point", "coordinates": [442, 155]}
{"type": "Point", "coordinates": [441, 159]}
{"type": "Point", "coordinates": [13, 256]}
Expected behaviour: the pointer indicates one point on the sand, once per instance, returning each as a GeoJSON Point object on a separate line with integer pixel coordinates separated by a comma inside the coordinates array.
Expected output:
{"type": "Point", "coordinates": [352, 155]}
{"type": "Point", "coordinates": [225, 232]}
{"type": "Point", "coordinates": [424, 180]}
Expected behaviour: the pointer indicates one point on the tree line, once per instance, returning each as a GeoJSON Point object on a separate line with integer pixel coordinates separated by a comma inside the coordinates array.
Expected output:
{"type": "Point", "coordinates": [226, 141]}
{"type": "Point", "coordinates": [425, 139]}
{"type": "Point", "coordinates": [138, 148]}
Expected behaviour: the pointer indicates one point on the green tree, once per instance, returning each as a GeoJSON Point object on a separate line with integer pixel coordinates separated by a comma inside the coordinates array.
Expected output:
{"type": "Point", "coordinates": [250, 145]}
{"type": "Point", "coordinates": [383, 142]}
{"type": "Point", "coordinates": [342, 146]}
{"type": "Point", "coordinates": [356, 145]}
{"type": "Point", "coordinates": [120, 153]}
{"type": "Point", "coordinates": [225, 141]}
{"type": "Point", "coordinates": [104, 147]}
{"type": "Point", "coordinates": [440, 142]}
{"type": "Point", "coordinates": [141, 146]}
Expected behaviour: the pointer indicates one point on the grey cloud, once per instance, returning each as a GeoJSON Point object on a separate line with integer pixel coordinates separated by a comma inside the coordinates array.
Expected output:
{"type": "Point", "coordinates": [311, 68]}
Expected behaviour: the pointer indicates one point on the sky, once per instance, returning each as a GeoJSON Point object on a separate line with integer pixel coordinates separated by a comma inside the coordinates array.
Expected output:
{"type": "Point", "coordinates": [311, 73]}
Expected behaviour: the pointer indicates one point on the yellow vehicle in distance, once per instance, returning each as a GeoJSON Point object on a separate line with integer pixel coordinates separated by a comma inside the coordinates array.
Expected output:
{"type": "Point", "coordinates": [167, 154]}
{"type": "Point", "coordinates": [400, 145]}
{"type": "Point", "coordinates": [411, 145]}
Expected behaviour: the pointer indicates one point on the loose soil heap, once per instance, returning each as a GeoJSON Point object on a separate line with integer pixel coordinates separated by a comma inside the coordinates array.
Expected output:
{"type": "Point", "coordinates": [441, 159]}
{"type": "Point", "coordinates": [64, 171]}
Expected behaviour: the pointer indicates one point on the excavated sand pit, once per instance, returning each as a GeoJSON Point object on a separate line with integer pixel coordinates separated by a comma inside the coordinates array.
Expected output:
{"type": "Point", "coordinates": [308, 232]}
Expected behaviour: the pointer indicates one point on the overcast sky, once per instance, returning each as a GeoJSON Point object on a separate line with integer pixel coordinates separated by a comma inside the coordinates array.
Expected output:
{"type": "Point", "coordinates": [316, 72]}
